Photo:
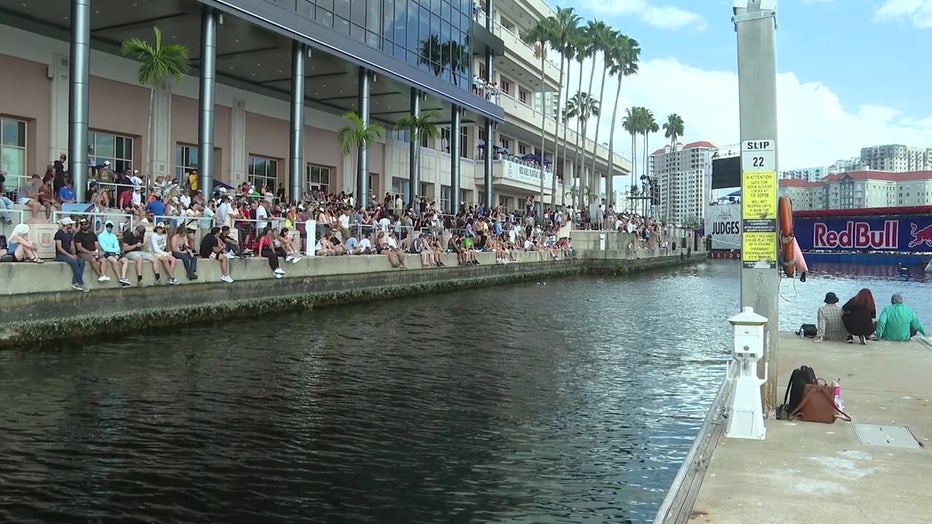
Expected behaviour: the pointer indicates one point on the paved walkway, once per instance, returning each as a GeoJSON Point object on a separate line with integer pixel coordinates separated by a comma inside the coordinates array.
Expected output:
{"type": "Point", "coordinates": [810, 472]}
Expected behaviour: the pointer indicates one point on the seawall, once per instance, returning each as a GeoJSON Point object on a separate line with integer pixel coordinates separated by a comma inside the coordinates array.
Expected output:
{"type": "Point", "coordinates": [35, 310]}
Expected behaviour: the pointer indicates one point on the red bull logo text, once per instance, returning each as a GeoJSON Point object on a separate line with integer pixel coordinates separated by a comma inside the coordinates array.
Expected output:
{"type": "Point", "coordinates": [859, 235]}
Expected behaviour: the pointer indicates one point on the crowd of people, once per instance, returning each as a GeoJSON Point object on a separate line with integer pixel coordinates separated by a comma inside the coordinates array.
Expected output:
{"type": "Point", "coordinates": [858, 318]}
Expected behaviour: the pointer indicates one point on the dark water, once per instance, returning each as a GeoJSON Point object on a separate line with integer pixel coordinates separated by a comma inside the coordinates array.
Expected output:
{"type": "Point", "coordinates": [573, 401]}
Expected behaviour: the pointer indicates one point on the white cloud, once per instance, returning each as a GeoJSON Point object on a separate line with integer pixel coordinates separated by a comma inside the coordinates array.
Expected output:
{"type": "Point", "coordinates": [814, 127]}
{"type": "Point", "coordinates": [919, 12]}
{"type": "Point", "coordinates": [664, 17]}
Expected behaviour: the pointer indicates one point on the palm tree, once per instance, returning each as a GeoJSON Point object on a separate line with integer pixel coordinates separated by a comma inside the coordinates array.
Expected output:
{"type": "Point", "coordinates": [583, 108]}
{"type": "Point", "coordinates": [607, 48]}
{"type": "Point", "coordinates": [598, 34]}
{"type": "Point", "coordinates": [648, 126]}
{"type": "Point", "coordinates": [673, 129]}
{"type": "Point", "coordinates": [570, 51]}
{"type": "Point", "coordinates": [565, 25]}
{"type": "Point", "coordinates": [581, 38]}
{"type": "Point", "coordinates": [351, 137]}
{"type": "Point", "coordinates": [158, 63]}
{"type": "Point", "coordinates": [539, 35]}
{"type": "Point", "coordinates": [632, 126]}
{"type": "Point", "coordinates": [624, 63]}
{"type": "Point", "coordinates": [419, 127]}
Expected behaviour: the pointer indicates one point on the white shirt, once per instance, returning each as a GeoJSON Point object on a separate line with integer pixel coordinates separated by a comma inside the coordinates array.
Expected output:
{"type": "Point", "coordinates": [384, 223]}
{"type": "Point", "coordinates": [262, 216]}
{"type": "Point", "coordinates": [364, 245]}
{"type": "Point", "coordinates": [344, 221]}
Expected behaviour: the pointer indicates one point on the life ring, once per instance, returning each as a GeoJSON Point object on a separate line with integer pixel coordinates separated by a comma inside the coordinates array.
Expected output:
{"type": "Point", "coordinates": [788, 257]}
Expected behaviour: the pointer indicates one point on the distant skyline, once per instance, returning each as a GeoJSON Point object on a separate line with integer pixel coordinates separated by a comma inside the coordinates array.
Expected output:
{"type": "Point", "coordinates": [851, 73]}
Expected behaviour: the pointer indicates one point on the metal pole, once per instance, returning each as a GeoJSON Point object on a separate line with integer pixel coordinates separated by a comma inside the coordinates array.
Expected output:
{"type": "Point", "coordinates": [362, 162]}
{"type": "Point", "coordinates": [296, 145]}
{"type": "Point", "coordinates": [487, 164]}
{"type": "Point", "coordinates": [78, 95]}
{"type": "Point", "coordinates": [755, 24]}
{"type": "Point", "coordinates": [455, 159]}
{"type": "Point", "coordinates": [414, 157]}
{"type": "Point", "coordinates": [205, 124]}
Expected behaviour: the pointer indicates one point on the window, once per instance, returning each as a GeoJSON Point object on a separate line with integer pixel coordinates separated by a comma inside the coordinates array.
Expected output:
{"type": "Point", "coordinates": [185, 160]}
{"type": "Point", "coordinates": [506, 86]}
{"type": "Point", "coordinates": [523, 95]}
{"type": "Point", "coordinates": [464, 140]}
{"type": "Point", "coordinates": [13, 148]}
{"type": "Point", "coordinates": [445, 195]}
{"type": "Point", "coordinates": [317, 179]}
{"type": "Point", "coordinates": [102, 147]}
{"type": "Point", "coordinates": [262, 171]}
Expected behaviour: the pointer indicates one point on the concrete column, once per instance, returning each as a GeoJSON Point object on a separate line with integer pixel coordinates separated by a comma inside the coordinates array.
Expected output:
{"type": "Point", "coordinates": [78, 95]}
{"type": "Point", "coordinates": [58, 106]}
{"type": "Point", "coordinates": [362, 161]}
{"type": "Point", "coordinates": [205, 123]}
{"type": "Point", "coordinates": [755, 25]}
{"type": "Point", "coordinates": [414, 153]}
{"type": "Point", "coordinates": [296, 146]}
{"type": "Point", "coordinates": [161, 142]}
{"type": "Point", "coordinates": [238, 142]}
{"type": "Point", "coordinates": [455, 159]}
{"type": "Point", "coordinates": [487, 162]}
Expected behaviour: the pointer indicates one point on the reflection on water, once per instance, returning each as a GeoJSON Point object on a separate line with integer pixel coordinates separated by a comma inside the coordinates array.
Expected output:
{"type": "Point", "coordinates": [574, 400]}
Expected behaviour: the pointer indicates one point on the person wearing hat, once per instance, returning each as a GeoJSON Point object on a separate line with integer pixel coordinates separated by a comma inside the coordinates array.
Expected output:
{"type": "Point", "coordinates": [898, 322]}
{"type": "Point", "coordinates": [65, 252]}
{"type": "Point", "coordinates": [830, 326]}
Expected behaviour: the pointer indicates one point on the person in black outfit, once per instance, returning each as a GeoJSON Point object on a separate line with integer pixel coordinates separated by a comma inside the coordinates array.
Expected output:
{"type": "Point", "coordinates": [859, 316]}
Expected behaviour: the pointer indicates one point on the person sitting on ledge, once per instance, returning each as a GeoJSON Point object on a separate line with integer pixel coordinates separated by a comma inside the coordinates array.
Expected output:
{"type": "Point", "coordinates": [830, 325]}
{"type": "Point", "coordinates": [110, 246]}
{"type": "Point", "coordinates": [65, 252]}
{"type": "Point", "coordinates": [859, 316]}
{"type": "Point", "coordinates": [264, 247]}
{"type": "Point", "coordinates": [898, 322]}
{"type": "Point", "coordinates": [21, 246]}
{"type": "Point", "coordinates": [213, 247]}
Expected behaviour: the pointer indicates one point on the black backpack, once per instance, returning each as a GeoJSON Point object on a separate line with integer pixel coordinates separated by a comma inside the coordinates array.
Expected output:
{"type": "Point", "coordinates": [794, 390]}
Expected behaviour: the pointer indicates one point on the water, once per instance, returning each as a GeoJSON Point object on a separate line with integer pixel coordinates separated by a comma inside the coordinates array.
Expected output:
{"type": "Point", "coordinates": [570, 401]}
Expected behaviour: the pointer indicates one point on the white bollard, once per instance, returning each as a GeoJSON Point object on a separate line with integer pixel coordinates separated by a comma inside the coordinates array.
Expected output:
{"type": "Point", "coordinates": [746, 415]}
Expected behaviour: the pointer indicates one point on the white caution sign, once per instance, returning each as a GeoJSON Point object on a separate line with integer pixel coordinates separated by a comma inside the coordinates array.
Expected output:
{"type": "Point", "coordinates": [759, 156]}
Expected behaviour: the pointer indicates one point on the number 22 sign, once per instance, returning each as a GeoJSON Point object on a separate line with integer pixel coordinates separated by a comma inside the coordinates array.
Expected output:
{"type": "Point", "coordinates": [758, 156]}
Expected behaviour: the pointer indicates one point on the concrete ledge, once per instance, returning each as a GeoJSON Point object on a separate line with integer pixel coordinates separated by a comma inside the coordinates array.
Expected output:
{"type": "Point", "coordinates": [57, 315]}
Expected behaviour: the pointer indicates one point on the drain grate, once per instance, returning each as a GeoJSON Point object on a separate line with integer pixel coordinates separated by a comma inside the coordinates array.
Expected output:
{"type": "Point", "coordinates": [887, 436]}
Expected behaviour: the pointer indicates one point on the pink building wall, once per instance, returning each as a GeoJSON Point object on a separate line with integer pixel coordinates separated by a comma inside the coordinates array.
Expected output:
{"type": "Point", "coordinates": [25, 94]}
{"type": "Point", "coordinates": [121, 109]}
{"type": "Point", "coordinates": [184, 131]}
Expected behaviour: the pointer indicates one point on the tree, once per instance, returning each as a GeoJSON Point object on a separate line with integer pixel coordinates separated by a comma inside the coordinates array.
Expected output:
{"type": "Point", "coordinates": [570, 51]}
{"type": "Point", "coordinates": [598, 34]}
{"type": "Point", "coordinates": [158, 63]}
{"type": "Point", "coordinates": [673, 129]}
{"type": "Point", "coordinates": [607, 45]}
{"type": "Point", "coordinates": [581, 45]}
{"type": "Point", "coordinates": [648, 126]}
{"type": "Point", "coordinates": [631, 125]}
{"type": "Point", "coordinates": [565, 26]}
{"type": "Point", "coordinates": [540, 35]}
{"type": "Point", "coordinates": [624, 63]}
{"type": "Point", "coordinates": [418, 127]}
{"type": "Point", "coordinates": [582, 106]}
{"type": "Point", "coordinates": [353, 136]}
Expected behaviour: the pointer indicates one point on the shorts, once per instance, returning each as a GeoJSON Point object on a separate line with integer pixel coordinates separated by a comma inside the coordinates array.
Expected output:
{"type": "Point", "coordinates": [11, 248]}
{"type": "Point", "coordinates": [23, 200]}
{"type": "Point", "coordinates": [87, 257]}
{"type": "Point", "coordinates": [133, 255]}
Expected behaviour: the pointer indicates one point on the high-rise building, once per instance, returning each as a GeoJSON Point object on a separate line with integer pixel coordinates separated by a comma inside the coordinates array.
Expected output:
{"type": "Point", "coordinates": [861, 189]}
{"type": "Point", "coordinates": [896, 158]}
{"type": "Point", "coordinates": [809, 174]}
{"type": "Point", "coordinates": [681, 174]}
{"type": "Point", "coordinates": [270, 83]}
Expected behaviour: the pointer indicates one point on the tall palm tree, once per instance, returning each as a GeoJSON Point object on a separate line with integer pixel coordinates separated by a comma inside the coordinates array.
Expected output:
{"type": "Point", "coordinates": [624, 63]}
{"type": "Point", "coordinates": [158, 63]}
{"type": "Point", "coordinates": [584, 108]}
{"type": "Point", "coordinates": [351, 137]}
{"type": "Point", "coordinates": [598, 34]}
{"type": "Point", "coordinates": [608, 49]}
{"type": "Point", "coordinates": [582, 53]}
{"type": "Point", "coordinates": [539, 36]}
{"type": "Point", "coordinates": [632, 126]}
{"type": "Point", "coordinates": [570, 51]}
{"type": "Point", "coordinates": [648, 126]}
{"type": "Point", "coordinates": [673, 129]}
{"type": "Point", "coordinates": [419, 127]}
{"type": "Point", "coordinates": [565, 26]}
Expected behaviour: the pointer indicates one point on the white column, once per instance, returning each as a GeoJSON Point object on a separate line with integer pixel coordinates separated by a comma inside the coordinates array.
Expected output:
{"type": "Point", "coordinates": [238, 142]}
{"type": "Point", "coordinates": [58, 106]}
{"type": "Point", "coordinates": [162, 148]}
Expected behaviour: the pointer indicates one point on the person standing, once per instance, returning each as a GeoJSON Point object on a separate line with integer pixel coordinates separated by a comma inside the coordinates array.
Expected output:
{"type": "Point", "coordinates": [859, 315]}
{"type": "Point", "coordinates": [65, 252]}
{"type": "Point", "coordinates": [898, 322]}
{"type": "Point", "coordinates": [830, 325]}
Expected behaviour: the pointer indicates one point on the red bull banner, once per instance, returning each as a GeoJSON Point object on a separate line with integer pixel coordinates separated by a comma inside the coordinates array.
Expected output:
{"type": "Point", "coordinates": [901, 233]}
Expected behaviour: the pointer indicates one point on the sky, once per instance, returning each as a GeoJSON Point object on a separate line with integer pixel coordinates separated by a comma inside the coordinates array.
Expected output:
{"type": "Point", "coordinates": [850, 73]}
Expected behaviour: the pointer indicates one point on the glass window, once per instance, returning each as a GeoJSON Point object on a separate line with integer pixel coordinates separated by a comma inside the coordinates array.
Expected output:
{"type": "Point", "coordinates": [464, 139]}
{"type": "Point", "coordinates": [186, 160]}
{"type": "Point", "coordinates": [13, 149]}
{"type": "Point", "coordinates": [262, 171]}
{"type": "Point", "coordinates": [445, 198]}
{"type": "Point", "coordinates": [102, 147]}
{"type": "Point", "coordinates": [317, 178]}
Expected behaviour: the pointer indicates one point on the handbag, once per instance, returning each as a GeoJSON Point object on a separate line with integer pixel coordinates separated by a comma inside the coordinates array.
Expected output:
{"type": "Point", "coordinates": [818, 405]}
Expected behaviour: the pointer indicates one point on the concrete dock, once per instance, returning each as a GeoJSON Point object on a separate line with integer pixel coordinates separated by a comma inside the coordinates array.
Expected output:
{"type": "Point", "coordinates": [807, 471]}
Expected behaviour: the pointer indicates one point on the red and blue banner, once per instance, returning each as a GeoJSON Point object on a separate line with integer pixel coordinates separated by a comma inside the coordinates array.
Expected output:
{"type": "Point", "coordinates": [890, 233]}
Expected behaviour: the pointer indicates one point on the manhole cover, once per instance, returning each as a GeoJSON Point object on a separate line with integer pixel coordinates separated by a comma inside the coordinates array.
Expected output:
{"type": "Point", "coordinates": [889, 436]}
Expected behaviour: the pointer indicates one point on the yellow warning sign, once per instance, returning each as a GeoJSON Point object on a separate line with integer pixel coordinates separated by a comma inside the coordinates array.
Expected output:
{"type": "Point", "coordinates": [759, 196]}
{"type": "Point", "coordinates": [759, 247]}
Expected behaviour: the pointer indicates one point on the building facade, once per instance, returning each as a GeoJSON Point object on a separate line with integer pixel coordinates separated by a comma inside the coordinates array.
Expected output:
{"type": "Point", "coordinates": [896, 158]}
{"type": "Point", "coordinates": [269, 86]}
{"type": "Point", "coordinates": [809, 174]}
{"type": "Point", "coordinates": [682, 175]}
{"type": "Point", "coordinates": [861, 189]}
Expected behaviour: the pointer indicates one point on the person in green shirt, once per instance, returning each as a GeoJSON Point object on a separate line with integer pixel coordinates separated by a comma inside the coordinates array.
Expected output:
{"type": "Point", "coordinates": [897, 322]}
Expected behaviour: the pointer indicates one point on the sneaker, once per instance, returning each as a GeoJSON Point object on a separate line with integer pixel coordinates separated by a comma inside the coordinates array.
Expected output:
{"type": "Point", "coordinates": [279, 275]}
{"type": "Point", "coordinates": [229, 254]}
{"type": "Point", "coordinates": [124, 282]}
{"type": "Point", "coordinates": [279, 271]}
{"type": "Point", "coordinates": [106, 278]}
{"type": "Point", "coordinates": [77, 287]}
{"type": "Point", "coordinates": [288, 258]}
{"type": "Point", "coordinates": [172, 281]}
{"type": "Point", "coordinates": [140, 284]}
{"type": "Point", "coordinates": [103, 278]}
{"type": "Point", "coordinates": [295, 260]}
{"type": "Point", "coordinates": [85, 289]}
{"type": "Point", "coordinates": [159, 282]}
{"type": "Point", "coordinates": [227, 278]}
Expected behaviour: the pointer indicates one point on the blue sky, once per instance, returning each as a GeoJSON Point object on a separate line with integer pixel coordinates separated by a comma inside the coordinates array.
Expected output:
{"type": "Point", "coordinates": [852, 73]}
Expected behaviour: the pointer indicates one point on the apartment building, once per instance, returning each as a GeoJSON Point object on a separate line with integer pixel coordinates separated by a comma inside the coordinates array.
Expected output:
{"type": "Point", "coordinates": [861, 189]}
{"type": "Point", "coordinates": [809, 174]}
{"type": "Point", "coordinates": [270, 82]}
{"type": "Point", "coordinates": [896, 158]}
{"type": "Point", "coordinates": [682, 176]}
